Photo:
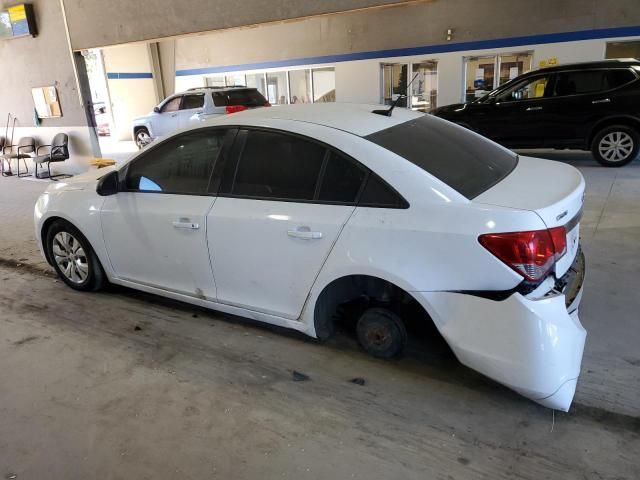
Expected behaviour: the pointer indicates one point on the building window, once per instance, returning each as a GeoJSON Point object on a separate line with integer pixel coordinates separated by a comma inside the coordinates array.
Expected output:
{"type": "Point", "coordinates": [324, 84]}
{"type": "Point", "coordinates": [257, 80]}
{"type": "Point", "coordinates": [485, 73]}
{"type": "Point", "coordinates": [623, 49]}
{"type": "Point", "coordinates": [300, 86]}
{"type": "Point", "coordinates": [277, 91]}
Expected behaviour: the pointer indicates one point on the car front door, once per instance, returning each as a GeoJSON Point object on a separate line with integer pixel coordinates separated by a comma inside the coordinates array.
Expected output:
{"type": "Point", "coordinates": [155, 229]}
{"type": "Point", "coordinates": [517, 116]}
{"type": "Point", "coordinates": [275, 220]}
{"type": "Point", "coordinates": [191, 109]}
{"type": "Point", "coordinates": [166, 120]}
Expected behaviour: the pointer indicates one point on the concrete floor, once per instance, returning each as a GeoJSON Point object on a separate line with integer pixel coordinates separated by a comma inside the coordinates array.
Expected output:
{"type": "Point", "coordinates": [120, 384]}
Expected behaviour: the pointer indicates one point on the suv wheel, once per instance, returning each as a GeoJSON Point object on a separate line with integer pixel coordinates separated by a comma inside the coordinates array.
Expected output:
{"type": "Point", "coordinates": [615, 146]}
{"type": "Point", "coordinates": [73, 258]}
{"type": "Point", "coordinates": [381, 333]}
{"type": "Point", "coordinates": [142, 137]}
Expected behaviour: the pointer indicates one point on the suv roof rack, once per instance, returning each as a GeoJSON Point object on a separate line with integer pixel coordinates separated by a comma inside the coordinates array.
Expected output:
{"type": "Point", "coordinates": [216, 88]}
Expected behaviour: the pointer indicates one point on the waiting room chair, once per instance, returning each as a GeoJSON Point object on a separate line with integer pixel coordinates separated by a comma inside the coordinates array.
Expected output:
{"type": "Point", "coordinates": [25, 147]}
{"type": "Point", "coordinates": [58, 152]}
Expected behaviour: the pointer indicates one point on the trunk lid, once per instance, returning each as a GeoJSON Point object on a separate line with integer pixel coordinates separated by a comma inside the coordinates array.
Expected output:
{"type": "Point", "coordinates": [553, 190]}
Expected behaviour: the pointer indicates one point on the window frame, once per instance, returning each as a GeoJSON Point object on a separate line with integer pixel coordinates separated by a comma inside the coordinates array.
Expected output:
{"type": "Point", "coordinates": [229, 137]}
{"type": "Point", "coordinates": [237, 149]}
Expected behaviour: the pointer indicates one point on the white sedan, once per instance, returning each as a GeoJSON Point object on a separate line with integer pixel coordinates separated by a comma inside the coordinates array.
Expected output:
{"type": "Point", "coordinates": [285, 215]}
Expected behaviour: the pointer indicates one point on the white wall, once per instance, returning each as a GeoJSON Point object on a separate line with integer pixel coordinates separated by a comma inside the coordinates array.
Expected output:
{"type": "Point", "coordinates": [130, 98]}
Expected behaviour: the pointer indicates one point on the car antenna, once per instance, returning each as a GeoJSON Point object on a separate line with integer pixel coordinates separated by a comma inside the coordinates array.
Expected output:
{"type": "Point", "coordinates": [387, 112]}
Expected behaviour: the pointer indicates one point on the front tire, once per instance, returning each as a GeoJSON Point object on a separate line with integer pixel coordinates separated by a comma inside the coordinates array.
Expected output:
{"type": "Point", "coordinates": [615, 146]}
{"type": "Point", "coordinates": [142, 138]}
{"type": "Point", "coordinates": [72, 257]}
{"type": "Point", "coordinates": [381, 333]}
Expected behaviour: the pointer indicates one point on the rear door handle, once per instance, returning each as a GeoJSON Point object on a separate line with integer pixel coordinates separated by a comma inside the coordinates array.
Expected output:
{"type": "Point", "coordinates": [304, 234]}
{"type": "Point", "coordinates": [602, 100]}
{"type": "Point", "coordinates": [533, 109]}
{"type": "Point", "coordinates": [186, 224]}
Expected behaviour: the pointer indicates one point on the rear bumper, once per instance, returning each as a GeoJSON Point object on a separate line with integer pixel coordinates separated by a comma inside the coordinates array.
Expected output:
{"type": "Point", "coordinates": [533, 346]}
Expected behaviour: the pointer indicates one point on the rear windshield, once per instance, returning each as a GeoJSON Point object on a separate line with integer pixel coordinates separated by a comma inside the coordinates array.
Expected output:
{"type": "Point", "coordinates": [466, 162]}
{"type": "Point", "coordinates": [249, 98]}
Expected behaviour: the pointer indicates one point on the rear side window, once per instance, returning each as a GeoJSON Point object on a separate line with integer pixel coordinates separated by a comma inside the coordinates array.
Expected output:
{"type": "Point", "coordinates": [249, 98]}
{"type": "Point", "coordinates": [466, 162]}
{"type": "Point", "coordinates": [579, 82]}
{"type": "Point", "coordinates": [342, 180]}
{"type": "Point", "coordinates": [192, 101]}
{"type": "Point", "coordinates": [275, 165]}
{"type": "Point", "coordinates": [378, 193]}
{"type": "Point", "coordinates": [619, 77]}
{"type": "Point", "coordinates": [180, 165]}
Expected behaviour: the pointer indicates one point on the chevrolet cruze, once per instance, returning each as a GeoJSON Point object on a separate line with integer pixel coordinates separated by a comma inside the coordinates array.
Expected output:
{"type": "Point", "coordinates": [285, 215]}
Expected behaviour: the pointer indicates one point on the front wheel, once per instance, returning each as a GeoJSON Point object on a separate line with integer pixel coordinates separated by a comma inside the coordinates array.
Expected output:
{"type": "Point", "coordinates": [142, 138]}
{"type": "Point", "coordinates": [73, 258]}
{"type": "Point", "coordinates": [615, 146]}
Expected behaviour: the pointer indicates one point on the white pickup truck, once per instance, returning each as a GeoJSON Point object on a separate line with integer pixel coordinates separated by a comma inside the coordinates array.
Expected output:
{"type": "Point", "coordinates": [192, 107]}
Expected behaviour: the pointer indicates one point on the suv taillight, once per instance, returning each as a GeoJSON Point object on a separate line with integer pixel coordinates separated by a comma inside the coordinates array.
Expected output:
{"type": "Point", "coordinates": [532, 254]}
{"type": "Point", "coordinates": [235, 108]}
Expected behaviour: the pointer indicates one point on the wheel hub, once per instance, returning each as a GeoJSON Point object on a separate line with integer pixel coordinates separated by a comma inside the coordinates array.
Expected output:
{"type": "Point", "coordinates": [70, 257]}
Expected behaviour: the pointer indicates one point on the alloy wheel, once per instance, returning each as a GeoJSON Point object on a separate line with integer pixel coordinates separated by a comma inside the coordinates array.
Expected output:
{"type": "Point", "coordinates": [70, 257]}
{"type": "Point", "coordinates": [142, 138]}
{"type": "Point", "coordinates": [616, 146]}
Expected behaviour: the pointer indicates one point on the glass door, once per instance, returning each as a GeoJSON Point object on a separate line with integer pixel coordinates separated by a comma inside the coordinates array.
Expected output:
{"type": "Point", "coordinates": [483, 74]}
{"type": "Point", "coordinates": [512, 66]}
{"type": "Point", "coordinates": [394, 83]}
{"type": "Point", "coordinates": [424, 89]}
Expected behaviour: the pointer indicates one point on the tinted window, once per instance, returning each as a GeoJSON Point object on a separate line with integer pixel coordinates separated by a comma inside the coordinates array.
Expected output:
{"type": "Point", "coordinates": [172, 105]}
{"type": "Point", "coordinates": [525, 90]}
{"type": "Point", "coordinates": [274, 165]}
{"type": "Point", "coordinates": [619, 77]}
{"type": "Point", "coordinates": [249, 98]}
{"type": "Point", "coordinates": [341, 181]}
{"type": "Point", "coordinates": [575, 83]}
{"type": "Point", "coordinates": [377, 193]}
{"type": "Point", "coordinates": [467, 162]}
{"type": "Point", "coordinates": [192, 101]}
{"type": "Point", "coordinates": [180, 165]}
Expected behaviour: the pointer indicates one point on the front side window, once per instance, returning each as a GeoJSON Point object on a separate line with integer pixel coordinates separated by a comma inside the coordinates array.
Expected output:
{"type": "Point", "coordinates": [276, 165]}
{"type": "Point", "coordinates": [526, 90]}
{"type": "Point", "coordinates": [181, 165]}
{"type": "Point", "coordinates": [172, 105]}
{"type": "Point", "coordinates": [580, 82]}
{"type": "Point", "coordinates": [192, 101]}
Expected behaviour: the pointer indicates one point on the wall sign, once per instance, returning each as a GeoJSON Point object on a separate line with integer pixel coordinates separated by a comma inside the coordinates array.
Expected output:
{"type": "Point", "coordinates": [46, 102]}
{"type": "Point", "coordinates": [17, 21]}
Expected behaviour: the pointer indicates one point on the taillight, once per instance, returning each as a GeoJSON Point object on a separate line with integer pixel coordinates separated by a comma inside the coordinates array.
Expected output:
{"type": "Point", "coordinates": [235, 108]}
{"type": "Point", "coordinates": [532, 254]}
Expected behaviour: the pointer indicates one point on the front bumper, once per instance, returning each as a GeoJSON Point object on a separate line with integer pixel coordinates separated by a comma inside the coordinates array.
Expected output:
{"type": "Point", "coordinates": [531, 345]}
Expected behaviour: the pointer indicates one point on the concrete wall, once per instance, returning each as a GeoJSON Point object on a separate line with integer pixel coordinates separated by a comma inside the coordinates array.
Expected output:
{"type": "Point", "coordinates": [35, 62]}
{"type": "Point", "coordinates": [153, 19]}
{"type": "Point", "coordinates": [132, 88]}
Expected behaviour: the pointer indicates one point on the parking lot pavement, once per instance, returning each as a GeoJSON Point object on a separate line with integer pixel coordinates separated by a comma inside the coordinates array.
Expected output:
{"type": "Point", "coordinates": [121, 384]}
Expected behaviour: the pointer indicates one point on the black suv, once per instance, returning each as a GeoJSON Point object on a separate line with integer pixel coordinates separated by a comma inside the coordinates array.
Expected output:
{"type": "Point", "coordinates": [588, 106]}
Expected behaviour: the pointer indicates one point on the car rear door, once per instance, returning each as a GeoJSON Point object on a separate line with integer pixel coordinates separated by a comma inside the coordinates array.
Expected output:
{"type": "Point", "coordinates": [155, 229]}
{"type": "Point", "coordinates": [191, 110]}
{"type": "Point", "coordinates": [275, 221]}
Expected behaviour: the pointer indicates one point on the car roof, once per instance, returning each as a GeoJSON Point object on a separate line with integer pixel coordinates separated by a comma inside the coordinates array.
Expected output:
{"type": "Point", "coordinates": [613, 63]}
{"type": "Point", "coordinates": [357, 119]}
{"type": "Point", "coordinates": [217, 89]}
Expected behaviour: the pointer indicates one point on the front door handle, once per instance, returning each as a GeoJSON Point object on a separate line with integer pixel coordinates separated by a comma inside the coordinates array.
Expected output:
{"type": "Point", "coordinates": [185, 223]}
{"type": "Point", "coordinates": [533, 109]}
{"type": "Point", "coordinates": [602, 100]}
{"type": "Point", "coordinates": [304, 233]}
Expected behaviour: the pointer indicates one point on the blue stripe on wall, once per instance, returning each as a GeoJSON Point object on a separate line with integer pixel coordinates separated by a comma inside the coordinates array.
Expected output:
{"type": "Point", "coordinates": [427, 49]}
{"type": "Point", "coordinates": [128, 75]}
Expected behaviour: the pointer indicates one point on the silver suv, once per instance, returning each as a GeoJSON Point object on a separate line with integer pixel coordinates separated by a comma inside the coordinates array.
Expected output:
{"type": "Point", "coordinates": [189, 108]}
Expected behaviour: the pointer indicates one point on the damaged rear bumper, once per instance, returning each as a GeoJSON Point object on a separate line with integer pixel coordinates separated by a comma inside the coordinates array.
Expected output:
{"type": "Point", "coordinates": [531, 345]}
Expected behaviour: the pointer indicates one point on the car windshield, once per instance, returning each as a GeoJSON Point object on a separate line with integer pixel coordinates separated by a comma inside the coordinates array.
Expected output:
{"type": "Point", "coordinates": [249, 97]}
{"type": "Point", "coordinates": [467, 162]}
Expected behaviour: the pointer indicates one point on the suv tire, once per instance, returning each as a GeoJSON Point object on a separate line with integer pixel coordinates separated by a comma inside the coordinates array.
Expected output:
{"type": "Point", "coordinates": [142, 138]}
{"type": "Point", "coordinates": [616, 145]}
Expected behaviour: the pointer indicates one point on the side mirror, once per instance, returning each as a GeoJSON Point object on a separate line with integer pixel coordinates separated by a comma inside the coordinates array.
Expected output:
{"type": "Point", "coordinates": [109, 184]}
{"type": "Point", "coordinates": [156, 109]}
